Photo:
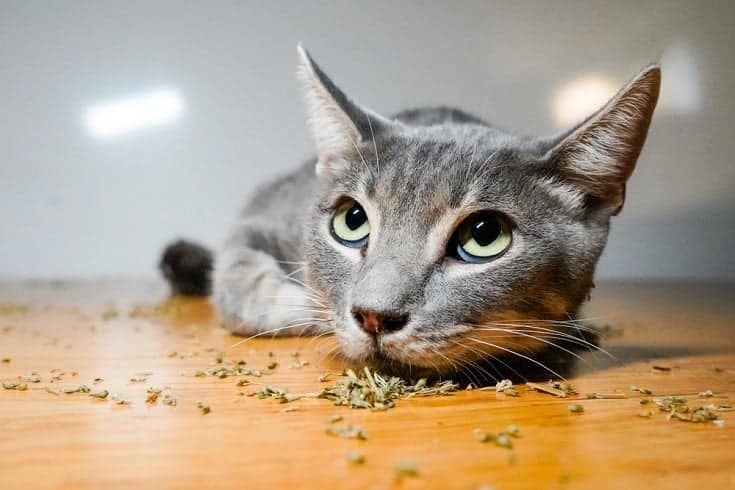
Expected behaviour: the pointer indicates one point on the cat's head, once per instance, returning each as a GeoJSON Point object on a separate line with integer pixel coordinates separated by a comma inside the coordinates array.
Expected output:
{"type": "Point", "coordinates": [439, 245]}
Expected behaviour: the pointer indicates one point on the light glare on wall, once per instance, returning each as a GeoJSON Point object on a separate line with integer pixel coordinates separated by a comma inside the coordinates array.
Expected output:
{"type": "Point", "coordinates": [578, 99]}
{"type": "Point", "coordinates": [120, 116]}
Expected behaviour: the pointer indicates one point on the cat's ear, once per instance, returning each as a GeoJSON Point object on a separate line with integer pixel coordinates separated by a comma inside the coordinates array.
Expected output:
{"type": "Point", "coordinates": [338, 124]}
{"type": "Point", "coordinates": [600, 154]}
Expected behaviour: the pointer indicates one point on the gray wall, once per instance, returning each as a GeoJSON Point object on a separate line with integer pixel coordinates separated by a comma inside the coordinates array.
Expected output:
{"type": "Point", "coordinates": [75, 206]}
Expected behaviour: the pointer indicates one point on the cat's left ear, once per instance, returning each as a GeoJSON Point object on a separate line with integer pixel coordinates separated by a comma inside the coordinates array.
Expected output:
{"type": "Point", "coordinates": [600, 154]}
{"type": "Point", "coordinates": [338, 124]}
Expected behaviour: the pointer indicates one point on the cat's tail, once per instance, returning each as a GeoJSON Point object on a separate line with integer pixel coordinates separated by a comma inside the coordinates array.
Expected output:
{"type": "Point", "coordinates": [187, 267]}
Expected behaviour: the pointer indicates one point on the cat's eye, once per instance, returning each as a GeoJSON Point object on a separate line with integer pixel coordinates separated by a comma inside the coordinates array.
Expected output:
{"type": "Point", "coordinates": [350, 225]}
{"type": "Point", "coordinates": [480, 238]}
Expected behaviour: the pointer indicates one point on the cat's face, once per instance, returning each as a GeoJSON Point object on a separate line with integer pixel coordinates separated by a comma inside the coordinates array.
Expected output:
{"type": "Point", "coordinates": [438, 246]}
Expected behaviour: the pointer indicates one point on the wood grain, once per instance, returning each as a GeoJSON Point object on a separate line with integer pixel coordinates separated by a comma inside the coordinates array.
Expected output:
{"type": "Point", "coordinates": [75, 441]}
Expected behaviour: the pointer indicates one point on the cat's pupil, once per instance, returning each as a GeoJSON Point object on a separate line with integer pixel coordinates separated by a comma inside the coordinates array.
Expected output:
{"type": "Point", "coordinates": [485, 231]}
{"type": "Point", "coordinates": [355, 218]}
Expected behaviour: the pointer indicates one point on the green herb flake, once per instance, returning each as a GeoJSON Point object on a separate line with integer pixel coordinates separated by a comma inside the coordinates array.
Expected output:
{"type": "Point", "coordinates": [14, 385]}
{"type": "Point", "coordinates": [6, 360]}
{"type": "Point", "coordinates": [501, 439]}
{"type": "Point", "coordinates": [405, 469]}
{"type": "Point", "coordinates": [605, 396]}
{"type": "Point", "coordinates": [661, 369]}
{"type": "Point", "coordinates": [513, 430]}
{"type": "Point", "coordinates": [323, 377]}
{"type": "Point", "coordinates": [347, 432]}
{"type": "Point", "coordinates": [556, 388]}
{"type": "Point", "coordinates": [33, 378]}
{"type": "Point", "coordinates": [272, 365]}
{"type": "Point", "coordinates": [505, 387]}
{"type": "Point", "coordinates": [205, 409]}
{"type": "Point", "coordinates": [643, 391]}
{"type": "Point", "coordinates": [333, 418]}
{"type": "Point", "coordinates": [276, 393]}
{"type": "Point", "coordinates": [119, 400]}
{"type": "Point", "coordinates": [99, 394]}
{"type": "Point", "coordinates": [75, 389]}
{"type": "Point", "coordinates": [576, 408]}
{"type": "Point", "coordinates": [355, 457]}
{"type": "Point", "coordinates": [152, 395]}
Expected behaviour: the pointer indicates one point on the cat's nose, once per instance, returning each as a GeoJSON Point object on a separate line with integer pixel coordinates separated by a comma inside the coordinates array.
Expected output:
{"type": "Point", "coordinates": [377, 322]}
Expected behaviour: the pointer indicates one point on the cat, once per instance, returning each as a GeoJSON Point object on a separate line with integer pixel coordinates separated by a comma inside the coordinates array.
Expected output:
{"type": "Point", "coordinates": [430, 240]}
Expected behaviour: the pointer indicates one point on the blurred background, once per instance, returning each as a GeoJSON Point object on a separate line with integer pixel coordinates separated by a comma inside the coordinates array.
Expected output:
{"type": "Point", "coordinates": [124, 125]}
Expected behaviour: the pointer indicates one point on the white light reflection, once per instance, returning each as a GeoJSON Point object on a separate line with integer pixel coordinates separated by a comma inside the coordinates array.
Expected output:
{"type": "Point", "coordinates": [579, 98]}
{"type": "Point", "coordinates": [120, 116]}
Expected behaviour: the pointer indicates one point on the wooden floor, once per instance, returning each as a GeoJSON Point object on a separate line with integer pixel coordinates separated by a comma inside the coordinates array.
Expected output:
{"type": "Point", "coordinates": [110, 331]}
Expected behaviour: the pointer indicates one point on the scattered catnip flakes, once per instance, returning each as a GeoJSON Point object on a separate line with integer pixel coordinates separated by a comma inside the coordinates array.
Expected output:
{"type": "Point", "coordinates": [333, 418]}
{"type": "Point", "coordinates": [100, 394]}
{"type": "Point", "coordinates": [14, 385]}
{"type": "Point", "coordinates": [6, 360]}
{"type": "Point", "coordinates": [75, 389]}
{"type": "Point", "coordinates": [291, 408]}
{"type": "Point", "coordinates": [119, 400]}
{"type": "Point", "coordinates": [152, 395]}
{"type": "Point", "coordinates": [562, 389]}
{"type": "Point", "coordinates": [323, 377]}
{"type": "Point", "coordinates": [605, 396]}
{"type": "Point", "coordinates": [678, 408]}
{"type": "Point", "coordinates": [575, 408]}
{"type": "Point", "coordinates": [276, 393]}
{"type": "Point", "coordinates": [169, 400]}
{"type": "Point", "coordinates": [706, 394]}
{"type": "Point", "coordinates": [374, 391]}
{"type": "Point", "coordinates": [272, 365]}
{"type": "Point", "coordinates": [204, 408]}
{"type": "Point", "coordinates": [406, 469]}
{"type": "Point", "coordinates": [505, 387]}
{"type": "Point", "coordinates": [501, 439]}
{"type": "Point", "coordinates": [355, 457]}
{"type": "Point", "coordinates": [643, 391]}
{"type": "Point", "coordinates": [347, 432]}
{"type": "Point", "coordinates": [33, 378]}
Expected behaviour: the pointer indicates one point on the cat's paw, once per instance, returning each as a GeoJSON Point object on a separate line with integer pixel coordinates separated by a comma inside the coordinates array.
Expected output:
{"type": "Point", "coordinates": [288, 311]}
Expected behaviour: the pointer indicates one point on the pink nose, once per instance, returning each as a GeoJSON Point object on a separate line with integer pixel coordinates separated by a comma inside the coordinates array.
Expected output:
{"type": "Point", "coordinates": [377, 322]}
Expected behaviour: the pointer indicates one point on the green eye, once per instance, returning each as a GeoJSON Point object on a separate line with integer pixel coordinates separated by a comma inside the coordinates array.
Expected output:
{"type": "Point", "coordinates": [481, 237]}
{"type": "Point", "coordinates": [350, 225]}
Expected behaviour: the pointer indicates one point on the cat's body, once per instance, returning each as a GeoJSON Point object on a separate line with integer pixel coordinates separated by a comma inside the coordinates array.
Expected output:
{"type": "Point", "coordinates": [431, 240]}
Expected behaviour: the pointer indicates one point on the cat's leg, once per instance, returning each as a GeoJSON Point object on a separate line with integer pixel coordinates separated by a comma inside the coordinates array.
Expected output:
{"type": "Point", "coordinates": [255, 296]}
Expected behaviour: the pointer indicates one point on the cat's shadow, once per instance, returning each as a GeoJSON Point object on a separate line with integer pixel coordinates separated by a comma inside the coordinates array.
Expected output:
{"type": "Point", "coordinates": [568, 359]}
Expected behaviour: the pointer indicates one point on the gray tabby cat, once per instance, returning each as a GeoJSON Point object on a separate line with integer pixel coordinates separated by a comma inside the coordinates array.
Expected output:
{"type": "Point", "coordinates": [431, 240]}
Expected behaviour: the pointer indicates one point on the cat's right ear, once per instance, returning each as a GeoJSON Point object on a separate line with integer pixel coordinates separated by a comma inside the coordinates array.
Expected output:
{"type": "Point", "coordinates": [599, 155]}
{"type": "Point", "coordinates": [338, 124]}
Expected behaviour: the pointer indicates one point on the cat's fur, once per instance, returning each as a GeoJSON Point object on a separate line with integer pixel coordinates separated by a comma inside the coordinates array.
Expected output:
{"type": "Point", "coordinates": [417, 175]}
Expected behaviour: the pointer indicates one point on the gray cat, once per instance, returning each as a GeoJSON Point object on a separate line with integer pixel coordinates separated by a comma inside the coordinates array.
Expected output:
{"type": "Point", "coordinates": [431, 241]}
